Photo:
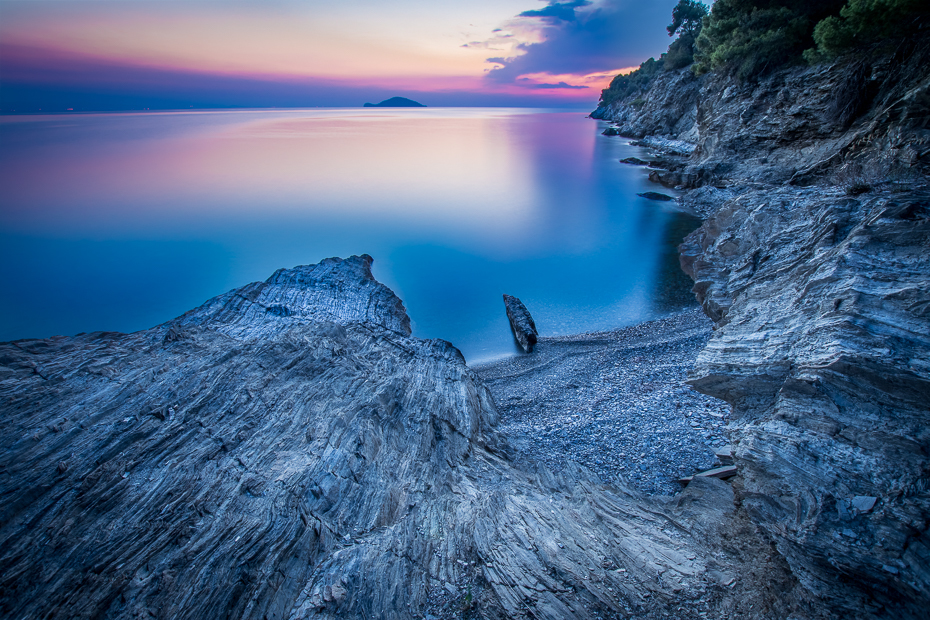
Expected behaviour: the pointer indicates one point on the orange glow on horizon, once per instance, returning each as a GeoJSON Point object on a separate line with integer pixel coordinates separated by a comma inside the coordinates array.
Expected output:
{"type": "Point", "coordinates": [250, 43]}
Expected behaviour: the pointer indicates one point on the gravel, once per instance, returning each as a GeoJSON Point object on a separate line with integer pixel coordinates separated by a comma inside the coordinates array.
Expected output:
{"type": "Point", "coordinates": [615, 402]}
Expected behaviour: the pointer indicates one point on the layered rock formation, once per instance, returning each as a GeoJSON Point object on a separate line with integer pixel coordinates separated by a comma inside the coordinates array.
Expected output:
{"type": "Point", "coordinates": [287, 450]}
{"type": "Point", "coordinates": [841, 123]}
{"type": "Point", "coordinates": [815, 265]}
{"type": "Point", "coordinates": [823, 328]}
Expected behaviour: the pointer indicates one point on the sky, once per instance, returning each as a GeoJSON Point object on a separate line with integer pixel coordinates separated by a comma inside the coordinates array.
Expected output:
{"type": "Point", "coordinates": [57, 55]}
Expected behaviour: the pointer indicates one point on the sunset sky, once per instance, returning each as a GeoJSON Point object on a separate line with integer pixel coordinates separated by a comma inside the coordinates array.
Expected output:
{"type": "Point", "coordinates": [135, 54]}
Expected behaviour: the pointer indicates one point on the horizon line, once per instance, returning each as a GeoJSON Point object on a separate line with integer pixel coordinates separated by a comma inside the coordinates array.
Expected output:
{"type": "Point", "coordinates": [68, 111]}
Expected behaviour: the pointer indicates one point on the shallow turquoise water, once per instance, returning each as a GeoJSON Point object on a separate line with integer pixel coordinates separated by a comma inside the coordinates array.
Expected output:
{"type": "Point", "coordinates": [122, 221]}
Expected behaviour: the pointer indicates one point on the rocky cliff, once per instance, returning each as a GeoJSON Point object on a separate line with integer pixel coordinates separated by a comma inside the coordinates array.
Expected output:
{"type": "Point", "coordinates": [287, 450]}
{"type": "Point", "coordinates": [841, 123]}
{"type": "Point", "coordinates": [814, 263]}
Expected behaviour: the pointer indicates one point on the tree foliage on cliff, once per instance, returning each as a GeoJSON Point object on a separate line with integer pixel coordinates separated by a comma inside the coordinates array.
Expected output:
{"type": "Point", "coordinates": [862, 23]}
{"type": "Point", "coordinates": [749, 37]}
{"type": "Point", "coordinates": [687, 21]}
{"type": "Point", "coordinates": [686, 18]}
{"type": "Point", "coordinates": [623, 86]}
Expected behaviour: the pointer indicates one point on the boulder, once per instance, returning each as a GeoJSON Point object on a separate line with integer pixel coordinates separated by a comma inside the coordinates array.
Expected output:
{"type": "Point", "coordinates": [820, 301]}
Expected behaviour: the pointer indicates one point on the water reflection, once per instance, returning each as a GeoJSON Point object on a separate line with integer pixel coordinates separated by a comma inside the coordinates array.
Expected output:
{"type": "Point", "coordinates": [123, 221]}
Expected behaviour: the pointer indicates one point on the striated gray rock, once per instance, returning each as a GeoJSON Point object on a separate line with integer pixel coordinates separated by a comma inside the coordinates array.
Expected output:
{"type": "Point", "coordinates": [670, 108]}
{"type": "Point", "coordinates": [287, 450]}
{"type": "Point", "coordinates": [822, 304]}
{"type": "Point", "coordinates": [521, 322]}
{"type": "Point", "coordinates": [819, 293]}
{"type": "Point", "coordinates": [333, 291]}
{"type": "Point", "coordinates": [846, 123]}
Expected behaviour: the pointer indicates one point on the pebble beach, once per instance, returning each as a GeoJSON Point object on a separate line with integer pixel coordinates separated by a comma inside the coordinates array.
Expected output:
{"type": "Point", "coordinates": [616, 402]}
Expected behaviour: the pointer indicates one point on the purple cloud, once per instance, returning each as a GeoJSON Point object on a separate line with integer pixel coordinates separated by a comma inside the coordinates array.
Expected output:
{"type": "Point", "coordinates": [583, 37]}
{"type": "Point", "coordinates": [557, 11]}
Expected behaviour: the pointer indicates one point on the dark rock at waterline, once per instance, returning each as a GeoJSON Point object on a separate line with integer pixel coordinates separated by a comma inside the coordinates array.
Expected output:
{"type": "Point", "coordinates": [656, 196]}
{"type": "Point", "coordinates": [674, 178]}
{"type": "Point", "coordinates": [611, 131]}
{"type": "Point", "coordinates": [521, 322]}
{"type": "Point", "coordinates": [634, 161]}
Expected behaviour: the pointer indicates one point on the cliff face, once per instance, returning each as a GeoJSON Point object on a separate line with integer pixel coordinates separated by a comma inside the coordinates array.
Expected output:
{"type": "Point", "coordinates": [287, 450]}
{"type": "Point", "coordinates": [823, 328]}
{"type": "Point", "coordinates": [815, 266]}
{"type": "Point", "coordinates": [833, 124]}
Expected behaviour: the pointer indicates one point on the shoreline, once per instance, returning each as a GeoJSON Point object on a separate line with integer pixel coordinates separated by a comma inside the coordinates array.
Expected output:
{"type": "Point", "coordinates": [615, 402]}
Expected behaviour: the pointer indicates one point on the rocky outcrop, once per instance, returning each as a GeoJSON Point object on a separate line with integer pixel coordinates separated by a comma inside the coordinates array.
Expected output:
{"type": "Point", "coordinates": [847, 123]}
{"type": "Point", "coordinates": [668, 109]}
{"type": "Point", "coordinates": [823, 327]}
{"type": "Point", "coordinates": [521, 323]}
{"type": "Point", "coordinates": [813, 263]}
{"type": "Point", "coordinates": [287, 450]}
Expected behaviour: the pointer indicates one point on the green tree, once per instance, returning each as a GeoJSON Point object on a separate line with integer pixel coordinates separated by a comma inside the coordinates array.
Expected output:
{"type": "Point", "coordinates": [622, 86]}
{"type": "Point", "coordinates": [686, 18]}
{"type": "Point", "coordinates": [750, 37]}
{"type": "Point", "coordinates": [865, 22]}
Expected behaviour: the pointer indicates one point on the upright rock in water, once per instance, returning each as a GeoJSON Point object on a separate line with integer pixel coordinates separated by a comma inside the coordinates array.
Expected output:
{"type": "Point", "coordinates": [524, 329]}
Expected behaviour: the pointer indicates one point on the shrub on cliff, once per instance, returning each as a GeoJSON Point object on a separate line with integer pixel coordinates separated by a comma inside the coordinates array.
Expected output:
{"type": "Point", "coordinates": [749, 37]}
{"type": "Point", "coordinates": [638, 81]}
{"type": "Point", "coordinates": [687, 20]}
{"type": "Point", "coordinates": [862, 23]}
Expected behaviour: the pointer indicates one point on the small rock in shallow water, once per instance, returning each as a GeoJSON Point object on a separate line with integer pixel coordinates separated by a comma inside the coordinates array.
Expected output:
{"type": "Point", "coordinates": [655, 196]}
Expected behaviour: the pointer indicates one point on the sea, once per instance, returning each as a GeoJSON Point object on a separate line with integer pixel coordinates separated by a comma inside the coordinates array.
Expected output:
{"type": "Point", "coordinates": [121, 221]}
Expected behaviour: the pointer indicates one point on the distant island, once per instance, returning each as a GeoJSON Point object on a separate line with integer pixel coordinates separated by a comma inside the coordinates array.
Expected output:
{"type": "Point", "coordinates": [396, 102]}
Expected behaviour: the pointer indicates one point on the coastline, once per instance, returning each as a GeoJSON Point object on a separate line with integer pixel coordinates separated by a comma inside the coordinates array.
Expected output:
{"type": "Point", "coordinates": [294, 422]}
{"type": "Point", "coordinates": [812, 264]}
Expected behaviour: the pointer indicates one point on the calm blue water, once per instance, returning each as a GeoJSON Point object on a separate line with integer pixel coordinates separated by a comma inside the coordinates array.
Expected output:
{"type": "Point", "coordinates": [123, 221]}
